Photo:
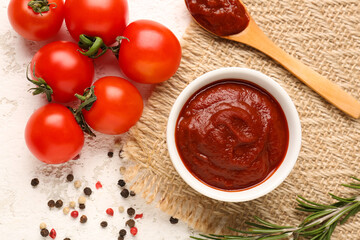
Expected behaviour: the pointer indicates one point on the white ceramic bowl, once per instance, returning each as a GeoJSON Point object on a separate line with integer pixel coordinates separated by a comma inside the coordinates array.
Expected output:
{"type": "Point", "coordinates": [294, 134]}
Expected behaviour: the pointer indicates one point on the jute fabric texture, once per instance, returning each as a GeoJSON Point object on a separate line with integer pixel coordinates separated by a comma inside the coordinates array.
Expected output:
{"type": "Point", "coordinates": [324, 35]}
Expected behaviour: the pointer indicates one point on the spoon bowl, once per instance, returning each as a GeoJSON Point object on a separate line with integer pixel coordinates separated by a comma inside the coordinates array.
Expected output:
{"type": "Point", "coordinates": [253, 36]}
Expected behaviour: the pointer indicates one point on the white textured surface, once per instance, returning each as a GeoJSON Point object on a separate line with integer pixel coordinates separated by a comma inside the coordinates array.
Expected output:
{"type": "Point", "coordinates": [23, 208]}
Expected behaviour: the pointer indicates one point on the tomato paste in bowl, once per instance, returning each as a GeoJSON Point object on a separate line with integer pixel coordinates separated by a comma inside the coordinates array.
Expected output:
{"type": "Point", "coordinates": [233, 134]}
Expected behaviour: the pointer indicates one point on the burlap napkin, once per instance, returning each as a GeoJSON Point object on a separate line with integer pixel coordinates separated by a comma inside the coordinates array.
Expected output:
{"type": "Point", "coordinates": [323, 34]}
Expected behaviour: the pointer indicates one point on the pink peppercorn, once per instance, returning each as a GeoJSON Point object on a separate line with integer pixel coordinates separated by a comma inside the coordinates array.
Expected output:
{"type": "Point", "coordinates": [74, 214]}
{"type": "Point", "coordinates": [138, 216]}
{"type": "Point", "coordinates": [98, 185]}
{"type": "Point", "coordinates": [133, 231]}
{"type": "Point", "coordinates": [110, 212]}
{"type": "Point", "coordinates": [52, 233]}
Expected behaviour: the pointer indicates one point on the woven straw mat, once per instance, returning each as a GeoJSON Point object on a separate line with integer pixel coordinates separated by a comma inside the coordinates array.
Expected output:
{"type": "Point", "coordinates": [323, 34]}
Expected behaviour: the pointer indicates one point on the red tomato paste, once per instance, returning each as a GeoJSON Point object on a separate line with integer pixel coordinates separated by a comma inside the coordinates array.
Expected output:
{"type": "Point", "coordinates": [221, 17]}
{"type": "Point", "coordinates": [232, 135]}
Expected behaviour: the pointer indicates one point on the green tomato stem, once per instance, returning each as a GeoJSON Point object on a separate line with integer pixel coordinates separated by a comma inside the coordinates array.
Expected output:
{"type": "Point", "coordinates": [115, 49]}
{"type": "Point", "coordinates": [40, 6]}
{"type": "Point", "coordinates": [41, 85]}
{"type": "Point", "coordinates": [87, 100]}
{"type": "Point", "coordinates": [93, 46]}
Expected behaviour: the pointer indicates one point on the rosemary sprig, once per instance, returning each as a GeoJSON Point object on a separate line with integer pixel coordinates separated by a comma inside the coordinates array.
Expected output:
{"type": "Point", "coordinates": [318, 225]}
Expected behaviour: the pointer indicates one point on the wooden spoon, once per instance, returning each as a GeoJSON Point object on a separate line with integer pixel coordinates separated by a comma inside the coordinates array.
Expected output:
{"type": "Point", "coordinates": [253, 36]}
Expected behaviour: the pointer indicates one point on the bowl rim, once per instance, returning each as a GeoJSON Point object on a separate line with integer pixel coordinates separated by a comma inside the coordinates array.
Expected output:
{"type": "Point", "coordinates": [292, 117]}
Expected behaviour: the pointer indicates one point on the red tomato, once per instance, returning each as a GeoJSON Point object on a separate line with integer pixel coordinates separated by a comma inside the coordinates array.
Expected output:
{"type": "Point", "coordinates": [97, 18]}
{"type": "Point", "coordinates": [118, 106]}
{"type": "Point", "coordinates": [64, 69]}
{"type": "Point", "coordinates": [53, 135]}
{"type": "Point", "coordinates": [32, 25]}
{"type": "Point", "coordinates": [153, 53]}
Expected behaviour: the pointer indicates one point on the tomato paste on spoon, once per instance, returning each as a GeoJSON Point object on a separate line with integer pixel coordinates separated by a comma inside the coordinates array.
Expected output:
{"type": "Point", "coordinates": [221, 17]}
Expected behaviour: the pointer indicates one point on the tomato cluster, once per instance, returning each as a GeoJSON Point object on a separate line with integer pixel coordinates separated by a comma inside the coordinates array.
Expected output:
{"type": "Point", "coordinates": [146, 51]}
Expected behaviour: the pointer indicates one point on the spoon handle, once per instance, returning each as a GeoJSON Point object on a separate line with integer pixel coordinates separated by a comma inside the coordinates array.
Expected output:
{"type": "Point", "coordinates": [255, 37]}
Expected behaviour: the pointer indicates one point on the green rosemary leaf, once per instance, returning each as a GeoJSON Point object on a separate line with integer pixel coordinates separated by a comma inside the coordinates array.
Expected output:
{"type": "Point", "coordinates": [351, 213]}
{"type": "Point", "coordinates": [341, 213]}
{"type": "Point", "coordinates": [313, 204]}
{"type": "Point", "coordinates": [339, 204]}
{"type": "Point", "coordinates": [271, 225]}
{"type": "Point", "coordinates": [262, 231]}
{"type": "Point", "coordinates": [357, 179]}
{"type": "Point", "coordinates": [331, 230]}
{"type": "Point", "coordinates": [276, 237]}
{"type": "Point", "coordinates": [228, 237]}
{"type": "Point", "coordinates": [308, 206]}
{"type": "Point", "coordinates": [241, 231]}
{"type": "Point", "coordinates": [308, 226]}
{"type": "Point", "coordinates": [351, 186]}
{"type": "Point", "coordinates": [325, 236]}
{"type": "Point", "coordinates": [313, 232]}
{"type": "Point", "coordinates": [197, 238]}
{"type": "Point", "coordinates": [317, 215]}
{"type": "Point", "coordinates": [354, 184]}
{"type": "Point", "coordinates": [258, 225]}
{"type": "Point", "coordinates": [316, 237]}
{"type": "Point", "coordinates": [242, 237]}
{"type": "Point", "coordinates": [346, 200]}
{"type": "Point", "coordinates": [239, 238]}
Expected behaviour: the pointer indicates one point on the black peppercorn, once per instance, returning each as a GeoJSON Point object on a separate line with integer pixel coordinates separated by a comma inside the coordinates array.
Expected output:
{"type": "Point", "coordinates": [87, 191]}
{"type": "Point", "coordinates": [122, 232]}
{"type": "Point", "coordinates": [110, 154]}
{"type": "Point", "coordinates": [130, 223]}
{"type": "Point", "coordinates": [83, 219]}
{"type": "Point", "coordinates": [51, 203]}
{"type": "Point", "coordinates": [121, 183]}
{"type": "Point", "coordinates": [59, 204]}
{"type": "Point", "coordinates": [70, 177]}
{"type": "Point", "coordinates": [124, 193]}
{"type": "Point", "coordinates": [132, 193]}
{"type": "Point", "coordinates": [67, 239]}
{"type": "Point", "coordinates": [82, 206]}
{"type": "Point", "coordinates": [131, 211]}
{"type": "Point", "coordinates": [174, 220]}
{"type": "Point", "coordinates": [120, 238]}
{"type": "Point", "coordinates": [34, 182]}
{"type": "Point", "coordinates": [44, 232]}
{"type": "Point", "coordinates": [104, 224]}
